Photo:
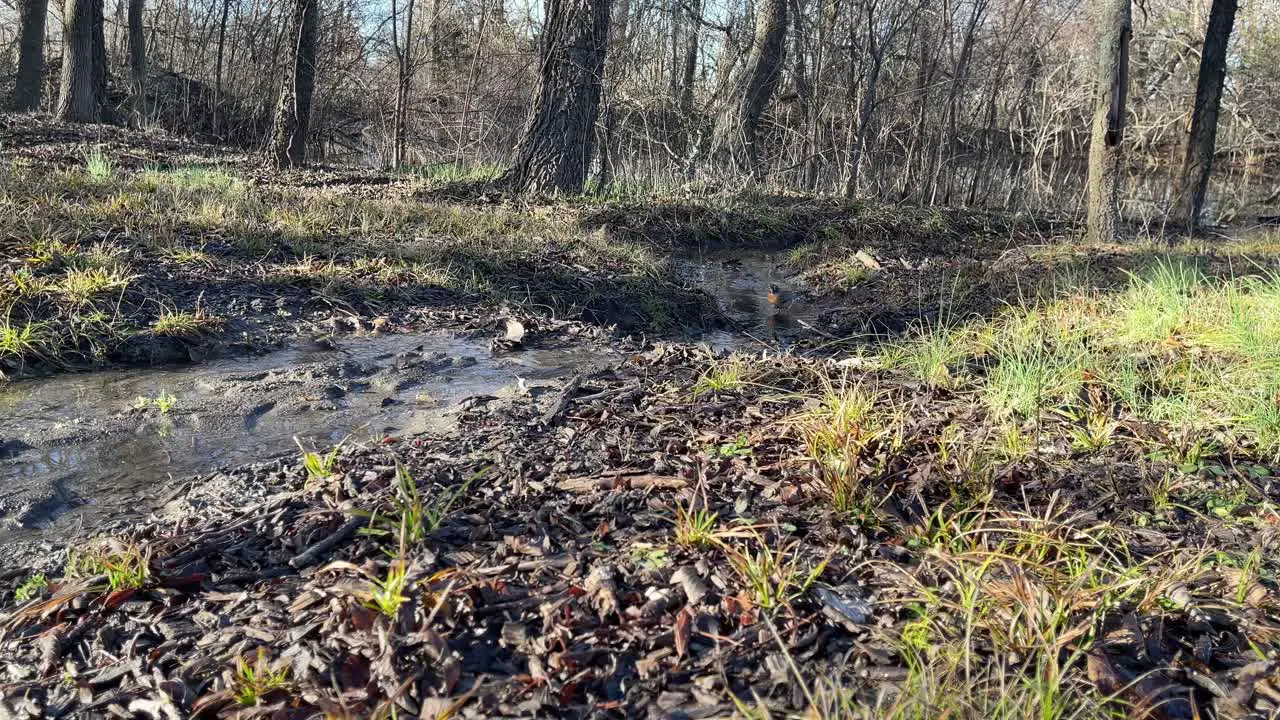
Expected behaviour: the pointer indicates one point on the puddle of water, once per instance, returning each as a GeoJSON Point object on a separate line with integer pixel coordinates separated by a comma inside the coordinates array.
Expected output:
{"type": "Point", "coordinates": [75, 447]}
{"type": "Point", "coordinates": [739, 281]}
{"type": "Point", "coordinates": [71, 447]}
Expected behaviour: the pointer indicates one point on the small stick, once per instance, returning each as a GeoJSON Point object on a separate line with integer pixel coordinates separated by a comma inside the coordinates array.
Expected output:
{"type": "Point", "coordinates": [311, 554]}
{"type": "Point", "coordinates": [815, 330]}
{"type": "Point", "coordinates": [621, 482]}
{"type": "Point", "coordinates": [562, 400]}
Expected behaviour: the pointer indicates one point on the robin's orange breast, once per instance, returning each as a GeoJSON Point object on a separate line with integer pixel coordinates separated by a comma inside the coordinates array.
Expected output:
{"type": "Point", "coordinates": [773, 297]}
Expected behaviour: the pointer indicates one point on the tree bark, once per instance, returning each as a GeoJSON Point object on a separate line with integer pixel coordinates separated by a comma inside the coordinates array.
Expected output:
{"type": "Point", "coordinates": [687, 73]}
{"type": "Point", "coordinates": [217, 81]}
{"type": "Point", "coordinates": [866, 113]}
{"type": "Point", "coordinates": [83, 90]}
{"type": "Point", "coordinates": [405, 69]}
{"type": "Point", "coordinates": [553, 154]}
{"type": "Point", "coordinates": [137, 61]}
{"type": "Point", "coordinates": [1113, 25]}
{"type": "Point", "coordinates": [613, 72]}
{"type": "Point", "coordinates": [1197, 164]}
{"type": "Point", "coordinates": [738, 127]}
{"type": "Point", "coordinates": [293, 114]}
{"type": "Point", "coordinates": [26, 95]}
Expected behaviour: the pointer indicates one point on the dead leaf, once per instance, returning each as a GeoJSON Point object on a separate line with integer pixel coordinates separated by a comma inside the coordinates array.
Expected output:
{"type": "Point", "coordinates": [1103, 674]}
{"type": "Point", "coordinates": [683, 630]}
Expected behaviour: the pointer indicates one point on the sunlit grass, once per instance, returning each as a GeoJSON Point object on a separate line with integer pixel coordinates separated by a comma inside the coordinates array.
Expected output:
{"type": "Point", "coordinates": [998, 617]}
{"type": "Point", "coordinates": [722, 376]}
{"type": "Point", "coordinates": [81, 286]}
{"type": "Point", "coordinates": [172, 322]}
{"type": "Point", "coordinates": [125, 566]}
{"type": "Point", "coordinates": [253, 681]}
{"type": "Point", "coordinates": [933, 353]}
{"type": "Point", "coordinates": [191, 178]}
{"type": "Point", "coordinates": [846, 436]}
{"type": "Point", "coordinates": [97, 164]}
{"type": "Point", "coordinates": [1029, 380]}
{"type": "Point", "coordinates": [1188, 351]}
{"type": "Point", "coordinates": [216, 226]}
{"type": "Point", "coordinates": [846, 272]}
{"type": "Point", "coordinates": [187, 255]}
{"type": "Point", "coordinates": [772, 573]}
{"type": "Point", "coordinates": [455, 172]}
{"type": "Point", "coordinates": [24, 340]}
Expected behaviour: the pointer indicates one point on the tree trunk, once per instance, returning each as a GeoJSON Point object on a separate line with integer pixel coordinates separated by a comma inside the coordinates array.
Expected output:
{"type": "Point", "coordinates": [736, 133]}
{"type": "Point", "coordinates": [688, 71]}
{"type": "Point", "coordinates": [83, 90]}
{"type": "Point", "coordinates": [217, 82]}
{"type": "Point", "coordinates": [866, 113]}
{"type": "Point", "coordinates": [293, 114]}
{"type": "Point", "coordinates": [404, 70]}
{"type": "Point", "coordinates": [26, 96]}
{"type": "Point", "coordinates": [555, 150]}
{"type": "Point", "coordinates": [1198, 161]}
{"type": "Point", "coordinates": [613, 71]}
{"type": "Point", "coordinates": [137, 61]}
{"type": "Point", "coordinates": [1113, 25]}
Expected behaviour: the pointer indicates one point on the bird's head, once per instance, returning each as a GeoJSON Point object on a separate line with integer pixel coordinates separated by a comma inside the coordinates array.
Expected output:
{"type": "Point", "coordinates": [773, 288]}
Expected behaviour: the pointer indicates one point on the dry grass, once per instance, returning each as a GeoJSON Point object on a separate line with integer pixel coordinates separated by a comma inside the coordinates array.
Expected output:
{"type": "Point", "coordinates": [172, 231]}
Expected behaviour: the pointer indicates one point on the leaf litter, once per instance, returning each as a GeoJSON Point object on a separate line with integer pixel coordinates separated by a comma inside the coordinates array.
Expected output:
{"type": "Point", "coordinates": [550, 582]}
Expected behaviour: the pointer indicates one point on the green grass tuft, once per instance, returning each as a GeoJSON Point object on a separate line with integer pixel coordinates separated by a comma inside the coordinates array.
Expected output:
{"type": "Point", "coordinates": [253, 681]}
{"type": "Point", "coordinates": [97, 164]}
{"type": "Point", "coordinates": [126, 566]}
{"type": "Point", "coordinates": [32, 587]}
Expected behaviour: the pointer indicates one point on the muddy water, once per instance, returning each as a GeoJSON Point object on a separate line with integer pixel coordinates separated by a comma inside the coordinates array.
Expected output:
{"type": "Point", "coordinates": [739, 282]}
{"type": "Point", "coordinates": [86, 447]}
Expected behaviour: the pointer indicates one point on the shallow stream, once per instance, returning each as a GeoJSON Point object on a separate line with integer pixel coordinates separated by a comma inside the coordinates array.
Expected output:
{"type": "Point", "coordinates": [88, 447]}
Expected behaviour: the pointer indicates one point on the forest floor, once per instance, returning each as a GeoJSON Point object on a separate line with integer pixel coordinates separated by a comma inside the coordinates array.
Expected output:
{"type": "Point", "coordinates": [1005, 474]}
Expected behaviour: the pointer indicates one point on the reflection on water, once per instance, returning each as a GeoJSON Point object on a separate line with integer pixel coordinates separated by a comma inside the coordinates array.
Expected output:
{"type": "Point", "coordinates": [77, 443]}
{"type": "Point", "coordinates": [740, 281]}
{"type": "Point", "coordinates": [75, 446]}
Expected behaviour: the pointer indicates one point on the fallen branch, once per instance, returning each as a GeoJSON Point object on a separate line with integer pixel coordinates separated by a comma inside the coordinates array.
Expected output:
{"type": "Point", "coordinates": [313, 553]}
{"type": "Point", "coordinates": [562, 400]}
{"type": "Point", "coordinates": [815, 330]}
{"type": "Point", "coordinates": [622, 482]}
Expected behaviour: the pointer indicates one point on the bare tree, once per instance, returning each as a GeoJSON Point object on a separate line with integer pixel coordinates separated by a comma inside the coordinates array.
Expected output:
{"type": "Point", "coordinates": [882, 25]}
{"type": "Point", "coordinates": [1198, 161]}
{"type": "Point", "coordinates": [217, 82]}
{"type": "Point", "coordinates": [405, 66]}
{"type": "Point", "coordinates": [738, 128]}
{"type": "Point", "coordinates": [932, 101]}
{"type": "Point", "coordinates": [553, 154]}
{"type": "Point", "coordinates": [82, 94]}
{"type": "Point", "coordinates": [137, 61]}
{"type": "Point", "coordinates": [293, 113]}
{"type": "Point", "coordinates": [1113, 24]}
{"type": "Point", "coordinates": [613, 75]}
{"type": "Point", "coordinates": [26, 95]}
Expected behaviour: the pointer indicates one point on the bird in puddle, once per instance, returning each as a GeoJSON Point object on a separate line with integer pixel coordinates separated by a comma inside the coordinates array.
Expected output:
{"type": "Point", "coordinates": [779, 298]}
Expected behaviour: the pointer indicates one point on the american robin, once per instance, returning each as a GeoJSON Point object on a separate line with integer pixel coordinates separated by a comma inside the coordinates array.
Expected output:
{"type": "Point", "coordinates": [779, 298]}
